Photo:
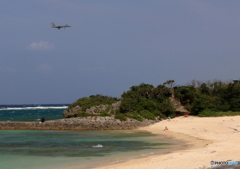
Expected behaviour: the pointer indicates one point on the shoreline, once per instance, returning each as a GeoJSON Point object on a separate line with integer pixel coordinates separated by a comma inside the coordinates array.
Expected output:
{"type": "Point", "coordinates": [206, 138]}
{"type": "Point", "coordinates": [174, 145]}
{"type": "Point", "coordinates": [201, 140]}
{"type": "Point", "coordinates": [180, 143]}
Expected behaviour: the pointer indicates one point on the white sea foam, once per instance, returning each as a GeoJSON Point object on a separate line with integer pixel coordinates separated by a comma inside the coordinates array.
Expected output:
{"type": "Point", "coordinates": [98, 146]}
{"type": "Point", "coordinates": [34, 108]}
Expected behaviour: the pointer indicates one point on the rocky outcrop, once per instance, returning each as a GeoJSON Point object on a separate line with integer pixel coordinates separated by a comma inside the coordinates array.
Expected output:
{"type": "Point", "coordinates": [72, 112]}
{"type": "Point", "coordinates": [110, 109]}
{"type": "Point", "coordinates": [96, 110]}
{"type": "Point", "coordinates": [179, 108]}
{"type": "Point", "coordinates": [78, 123]}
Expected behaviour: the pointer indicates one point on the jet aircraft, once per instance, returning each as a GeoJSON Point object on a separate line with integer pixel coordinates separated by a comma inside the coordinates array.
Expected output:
{"type": "Point", "coordinates": [59, 27]}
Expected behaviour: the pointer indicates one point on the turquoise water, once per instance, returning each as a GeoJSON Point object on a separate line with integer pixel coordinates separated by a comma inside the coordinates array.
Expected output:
{"type": "Point", "coordinates": [41, 149]}
{"type": "Point", "coordinates": [30, 149]}
{"type": "Point", "coordinates": [31, 112]}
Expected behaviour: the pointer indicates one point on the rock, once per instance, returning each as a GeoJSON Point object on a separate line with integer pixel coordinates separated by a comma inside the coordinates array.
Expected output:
{"type": "Point", "coordinates": [96, 110]}
{"type": "Point", "coordinates": [179, 108]}
{"type": "Point", "coordinates": [72, 112]}
{"type": "Point", "coordinates": [78, 123]}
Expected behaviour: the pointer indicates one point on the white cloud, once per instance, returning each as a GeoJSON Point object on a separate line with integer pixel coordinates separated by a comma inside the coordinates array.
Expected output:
{"type": "Point", "coordinates": [41, 45]}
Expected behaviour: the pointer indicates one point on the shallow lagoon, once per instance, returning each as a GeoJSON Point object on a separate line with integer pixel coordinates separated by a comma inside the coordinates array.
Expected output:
{"type": "Point", "coordinates": [25, 149]}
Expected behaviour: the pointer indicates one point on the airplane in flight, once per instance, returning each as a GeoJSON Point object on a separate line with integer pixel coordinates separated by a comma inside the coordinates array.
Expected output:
{"type": "Point", "coordinates": [59, 27]}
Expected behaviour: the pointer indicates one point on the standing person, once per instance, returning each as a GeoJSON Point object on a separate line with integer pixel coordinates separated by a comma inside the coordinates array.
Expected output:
{"type": "Point", "coordinates": [42, 119]}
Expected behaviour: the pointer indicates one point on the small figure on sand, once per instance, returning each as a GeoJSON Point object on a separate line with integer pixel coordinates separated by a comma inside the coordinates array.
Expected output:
{"type": "Point", "coordinates": [42, 120]}
{"type": "Point", "coordinates": [159, 118]}
{"type": "Point", "coordinates": [169, 118]}
{"type": "Point", "coordinates": [166, 128]}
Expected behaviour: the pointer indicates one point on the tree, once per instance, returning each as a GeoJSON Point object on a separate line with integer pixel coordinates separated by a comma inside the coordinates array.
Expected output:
{"type": "Point", "coordinates": [169, 83]}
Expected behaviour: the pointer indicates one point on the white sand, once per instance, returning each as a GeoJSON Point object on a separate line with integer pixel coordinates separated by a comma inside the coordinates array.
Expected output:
{"type": "Point", "coordinates": [209, 138]}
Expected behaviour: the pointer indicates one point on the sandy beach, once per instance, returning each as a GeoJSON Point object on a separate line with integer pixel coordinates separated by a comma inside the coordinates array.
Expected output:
{"type": "Point", "coordinates": [207, 139]}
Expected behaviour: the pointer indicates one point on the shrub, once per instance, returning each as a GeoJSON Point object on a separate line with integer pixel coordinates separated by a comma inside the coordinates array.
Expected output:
{"type": "Point", "coordinates": [82, 114]}
{"type": "Point", "coordinates": [207, 113]}
{"type": "Point", "coordinates": [104, 113]}
{"type": "Point", "coordinates": [120, 116]}
{"type": "Point", "coordinates": [128, 105]}
{"type": "Point", "coordinates": [112, 112]}
{"type": "Point", "coordinates": [159, 113]}
{"type": "Point", "coordinates": [172, 114]}
{"type": "Point", "coordinates": [166, 107]}
{"type": "Point", "coordinates": [93, 100]}
{"type": "Point", "coordinates": [147, 115]}
{"type": "Point", "coordinates": [134, 115]}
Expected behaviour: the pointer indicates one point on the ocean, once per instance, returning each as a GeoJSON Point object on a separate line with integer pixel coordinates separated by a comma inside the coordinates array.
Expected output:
{"type": "Point", "coordinates": [38, 149]}
{"type": "Point", "coordinates": [31, 112]}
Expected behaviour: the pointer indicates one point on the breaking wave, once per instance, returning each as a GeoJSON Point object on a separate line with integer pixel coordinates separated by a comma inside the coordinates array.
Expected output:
{"type": "Point", "coordinates": [98, 146]}
{"type": "Point", "coordinates": [32, 107]}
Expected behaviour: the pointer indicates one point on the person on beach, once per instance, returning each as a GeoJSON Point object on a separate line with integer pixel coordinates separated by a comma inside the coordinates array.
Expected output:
{"type": "Point", "coordinates": [42, 120]}
{"type": "Point", "coordinates": [166, 128]}
{"type": "Point", "coordinates": [169, 118]}
{"type": "Point", "coordinates": [159, 118]}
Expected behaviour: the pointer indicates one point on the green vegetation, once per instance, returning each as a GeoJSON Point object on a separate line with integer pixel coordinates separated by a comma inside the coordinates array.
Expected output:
{"type": "Point", "coordinates": [145, 101]}
{"type": "Point", "coordinates": [93, 100]}
{"type": "Point", "coordinates": [134, 115]}
{"type": "Point", "coordinates": [120, 116]}
{"type": "Point", "coordinates": [83, 114]}
{"type": "Point", "coordinates": [104, 113]}
{"type": "Point", "coordinates": [147, 115]}
{"type": "Point", "coordinates": [211, 98]}
{"type": "Point", "coordinates": [148, 101]}
{"type": "Point", "coordinates": [209, 113]}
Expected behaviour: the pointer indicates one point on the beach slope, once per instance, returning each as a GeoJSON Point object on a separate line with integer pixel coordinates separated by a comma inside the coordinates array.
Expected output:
{"type": "Point", "coordinates": [207, 139]}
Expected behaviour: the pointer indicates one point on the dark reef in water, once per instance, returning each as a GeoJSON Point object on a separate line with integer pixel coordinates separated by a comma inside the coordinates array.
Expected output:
{"type": "Point", "coordinates": [78, 123]}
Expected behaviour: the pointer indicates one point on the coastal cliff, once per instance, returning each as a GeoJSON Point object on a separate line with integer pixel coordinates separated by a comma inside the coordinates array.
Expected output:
{"type": "Point", "coordinates": [78, 123]}
{"type": "Point", "coordinates": [92, 111]}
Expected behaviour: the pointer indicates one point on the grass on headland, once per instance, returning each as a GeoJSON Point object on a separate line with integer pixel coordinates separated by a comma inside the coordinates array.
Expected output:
{"type": "Point", "coordinates": [94, 100]}
{"type": "Point", "coordinates": [210, 113]}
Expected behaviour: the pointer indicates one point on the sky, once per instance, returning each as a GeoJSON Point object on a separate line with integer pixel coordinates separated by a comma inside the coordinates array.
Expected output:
{"type": "Point", "coordinates": [113, 45]}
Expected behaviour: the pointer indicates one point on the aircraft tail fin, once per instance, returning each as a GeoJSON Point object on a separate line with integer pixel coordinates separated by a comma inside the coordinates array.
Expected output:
{"type": "Point", "coordinates": [53, 25]}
